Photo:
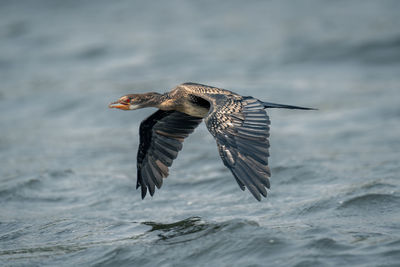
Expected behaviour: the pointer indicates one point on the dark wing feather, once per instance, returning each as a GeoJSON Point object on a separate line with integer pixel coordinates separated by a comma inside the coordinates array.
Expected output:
{"type": "Point", "coordinates": [161, 138]}
{"type": "Point", "coordinates": [241, 129]}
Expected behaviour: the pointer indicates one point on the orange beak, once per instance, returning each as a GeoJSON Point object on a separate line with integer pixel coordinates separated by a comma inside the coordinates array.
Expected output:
{"type": "Point", "coordinates": [118, 104]}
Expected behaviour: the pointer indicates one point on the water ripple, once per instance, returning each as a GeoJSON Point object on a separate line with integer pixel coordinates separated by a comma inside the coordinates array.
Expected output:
{"type": "Point", "coordinates": [190, 229]}
{"type": "Point", "coordinates": [372, 201]}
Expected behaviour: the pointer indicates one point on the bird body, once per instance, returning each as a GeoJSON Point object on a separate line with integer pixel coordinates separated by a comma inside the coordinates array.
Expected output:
{"type": "Point", "coordinates": [239, 124]}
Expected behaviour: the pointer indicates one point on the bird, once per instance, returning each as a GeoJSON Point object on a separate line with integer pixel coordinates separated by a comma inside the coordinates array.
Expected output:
{"type": "Point", "coordinates": [239, 124]}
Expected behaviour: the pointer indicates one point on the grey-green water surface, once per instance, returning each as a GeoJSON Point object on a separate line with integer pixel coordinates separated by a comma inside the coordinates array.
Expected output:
{"type": "Point", "coordinates": [67, 162]}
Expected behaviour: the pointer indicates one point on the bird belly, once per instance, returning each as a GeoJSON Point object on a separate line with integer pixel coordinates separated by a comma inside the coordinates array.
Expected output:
{"type": "Point", "coordinates": [193, 110]}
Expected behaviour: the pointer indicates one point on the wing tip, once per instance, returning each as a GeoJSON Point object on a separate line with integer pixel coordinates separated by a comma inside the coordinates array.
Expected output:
{"type": "Point", "coordinates": [144, 191]}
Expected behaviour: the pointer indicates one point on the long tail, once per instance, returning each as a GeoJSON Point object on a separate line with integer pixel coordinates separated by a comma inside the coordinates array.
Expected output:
{"type": "Point", "coordinates": [274, 105]}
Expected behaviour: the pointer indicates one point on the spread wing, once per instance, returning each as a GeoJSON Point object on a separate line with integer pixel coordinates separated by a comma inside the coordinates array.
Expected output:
{"type": "Point", "coordinates": [161, 138]}
{"type": "Point", "coordinates": [241, 129]}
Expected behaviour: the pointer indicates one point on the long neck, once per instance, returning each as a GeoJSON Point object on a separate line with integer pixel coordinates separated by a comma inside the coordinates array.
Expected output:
{"type": "Point", "coordinates": [157, 100]}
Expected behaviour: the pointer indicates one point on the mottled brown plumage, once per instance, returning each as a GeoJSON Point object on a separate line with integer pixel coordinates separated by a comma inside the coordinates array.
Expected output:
{"type": "Point", "coordinates": [238, 123]}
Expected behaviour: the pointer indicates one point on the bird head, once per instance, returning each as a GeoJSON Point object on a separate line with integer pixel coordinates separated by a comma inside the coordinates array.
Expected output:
{"type": "Point", "coordinates": [136, 101]}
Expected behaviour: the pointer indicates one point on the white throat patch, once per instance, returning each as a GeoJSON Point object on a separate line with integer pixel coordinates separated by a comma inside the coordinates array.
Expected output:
{"type": "Point", "coordinates": [132, 107]}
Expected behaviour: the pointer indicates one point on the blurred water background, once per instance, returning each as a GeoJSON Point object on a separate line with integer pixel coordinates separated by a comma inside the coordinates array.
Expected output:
{"type": "Point", "coordinates": [67, 162]}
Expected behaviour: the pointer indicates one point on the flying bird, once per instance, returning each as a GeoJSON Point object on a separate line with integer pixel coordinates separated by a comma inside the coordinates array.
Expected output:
{"type": "Point", "coordinates": [239, 124]}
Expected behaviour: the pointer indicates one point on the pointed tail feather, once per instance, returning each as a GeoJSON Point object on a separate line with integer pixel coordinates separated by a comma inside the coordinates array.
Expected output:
{"type": "Point", "coordinates": [274, 105]}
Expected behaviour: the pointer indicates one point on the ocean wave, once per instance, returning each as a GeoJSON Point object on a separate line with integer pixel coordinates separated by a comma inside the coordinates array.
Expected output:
{"type": "Point", "coordinates": [372, 201]}
{"type": "Point", "coordinates": [327, 244]}
{"type": "Point", "coordinates": [33, 187]}
{"type": "Point", "coordinates": [15, 184]}
{"type": "Point", "coordinates": [191, 228]}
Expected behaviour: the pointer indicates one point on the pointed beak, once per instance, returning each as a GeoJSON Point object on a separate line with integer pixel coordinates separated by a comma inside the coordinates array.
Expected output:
{"type": "Point", "coordinates": [117, 104]}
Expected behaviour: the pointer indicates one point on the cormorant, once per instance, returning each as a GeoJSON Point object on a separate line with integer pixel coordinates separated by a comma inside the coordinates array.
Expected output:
{"type": "Point", "coordinates": [239, 124]}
